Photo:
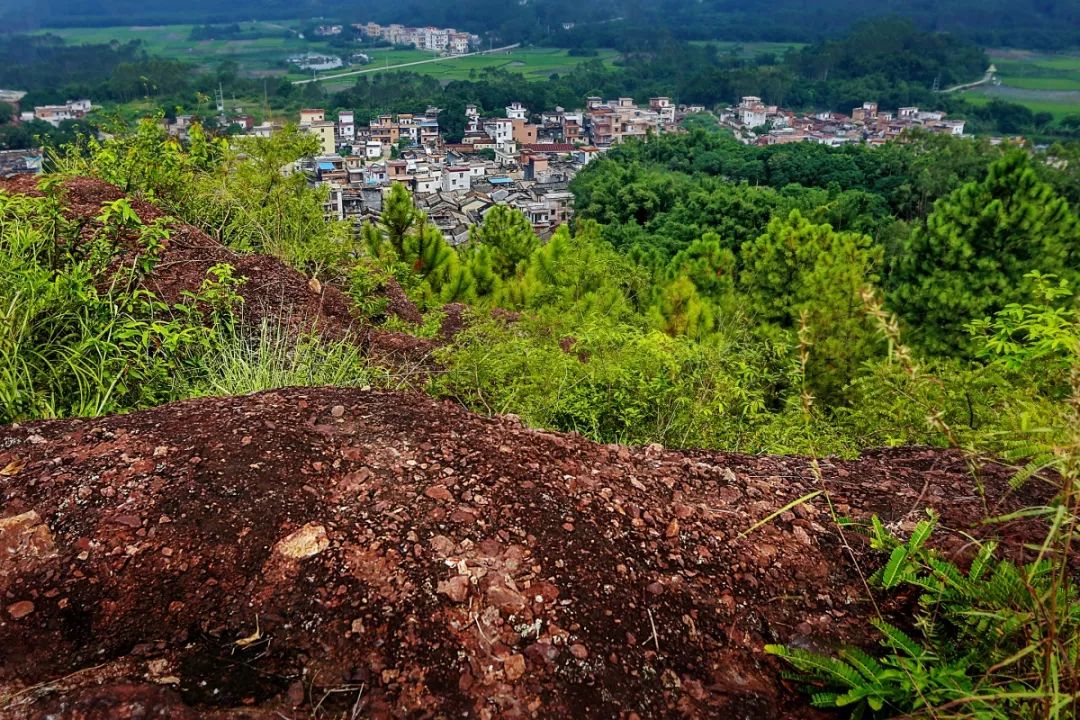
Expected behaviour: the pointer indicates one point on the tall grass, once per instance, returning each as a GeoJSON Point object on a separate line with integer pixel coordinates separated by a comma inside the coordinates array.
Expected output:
{"type": "Point", "coordinates": [75, 340]}
{"type": "Point", "coordinates": [269, 356]}
{"type": "Point", "coordinates": [999, 639]}
{"type": "Point", "coordinates": [79, 337]}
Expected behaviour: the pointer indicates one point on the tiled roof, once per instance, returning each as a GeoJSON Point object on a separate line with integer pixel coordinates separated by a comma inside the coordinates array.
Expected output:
{"type": "Point", "coordinates": [550, 147]}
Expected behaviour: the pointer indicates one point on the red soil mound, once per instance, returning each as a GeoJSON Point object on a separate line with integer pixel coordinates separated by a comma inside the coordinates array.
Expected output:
{"type": "Point", "coordinates": [342, 553]}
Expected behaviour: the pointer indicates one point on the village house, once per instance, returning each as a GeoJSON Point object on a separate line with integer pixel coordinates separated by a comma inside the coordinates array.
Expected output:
{"type": "Point", "coordinates": [517, 111]}
{"type": "Point", "coordinates": [615, 121]}
{"type": "Point", "coordinates": [444, 41]}
{"type": "Point", "coordinates": [346, 127]}
{"type": "Point", "coordinates": [16, 162]}
{"type": "Point", "coordinates": [866, 124]}
{"type": "Point", "coordinates": [752, 112]}
{"type": "Point", "coordinates": [264, 130]}
{"type": "Point", "coordinates": [459, 44]}
{"type": "Point", "coordinates": [456, 179]}
{"type": "Point", "coordinates": [311, 115]}
{"type": "Point", "coordinates": [56, 114]}
{"type": "Point", "coordinates": [324, 131]}
{"type": "Point", "coordinates": [421, 130]}
{"type": "Point", "coordinates": [523, 132]}
{"type": "Point", "coordinates": [12, 98]}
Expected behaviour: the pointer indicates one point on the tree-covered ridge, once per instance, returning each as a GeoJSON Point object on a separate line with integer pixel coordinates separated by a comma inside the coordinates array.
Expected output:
{"type": "Point", "coordinates": [52, 69]}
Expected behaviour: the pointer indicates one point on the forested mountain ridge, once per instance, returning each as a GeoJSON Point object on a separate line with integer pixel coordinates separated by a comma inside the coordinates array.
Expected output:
{"type": "Point", "coordinates": [1028, 23]}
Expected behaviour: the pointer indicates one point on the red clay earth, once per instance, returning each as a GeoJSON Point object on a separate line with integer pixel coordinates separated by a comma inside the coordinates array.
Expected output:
{"type": "Point", "coordinates": [347, 553]}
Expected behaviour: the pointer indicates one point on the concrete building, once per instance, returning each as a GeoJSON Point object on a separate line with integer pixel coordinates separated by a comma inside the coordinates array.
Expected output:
{"type": "Point", "coordinates": [752, 112]}
{"type": "Point", "coordinates": [346, 127]}
{"type": "Point", "coordinates": [517, 111]}
{"type": "Point", "coordinates": [324, 131]}
{"type": "Point", "coordinates": [456, 179]}
{"type": "Point", "coordinates": [56, 114]}
{"type": "Point", "coordinates": [312, 115]}
{"type": "Point", "coordinates": [522, 132]}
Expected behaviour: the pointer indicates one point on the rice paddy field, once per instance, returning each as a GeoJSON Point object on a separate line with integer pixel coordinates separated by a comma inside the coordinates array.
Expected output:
{"type": "Point", "coordinates": [1041, 82]}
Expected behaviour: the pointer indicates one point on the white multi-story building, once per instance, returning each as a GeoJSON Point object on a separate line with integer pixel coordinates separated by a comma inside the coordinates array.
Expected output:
{"type": "Point", "coordinates": [456, 179]}
{"type": "Point", "coordinates": [436, 39]}
{"type": "Point", "coordinates": [752, 112]}
{"type": "Point", "coordinates": [56, 114]}
{"type": "Point", "coordinates": [346, 127]}
{"type": "Point", "coordinates": [501, 130]}
{"type": "Point", "coordinates": [517, 111]}
{"type": "Point", "coordinates": [459, 44]}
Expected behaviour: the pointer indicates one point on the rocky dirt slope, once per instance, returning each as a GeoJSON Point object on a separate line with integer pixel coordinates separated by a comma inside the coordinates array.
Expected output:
{"type": "Point", "coordinates": [349, 553]}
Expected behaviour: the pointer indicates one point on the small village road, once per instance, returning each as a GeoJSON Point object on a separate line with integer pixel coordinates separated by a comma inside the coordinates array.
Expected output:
{"type": "Point", "coordinates": [336, 76]}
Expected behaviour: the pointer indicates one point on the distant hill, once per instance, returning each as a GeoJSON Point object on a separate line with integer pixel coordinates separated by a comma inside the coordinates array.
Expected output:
{"type": "Point", "coordinates": [1024, 23]}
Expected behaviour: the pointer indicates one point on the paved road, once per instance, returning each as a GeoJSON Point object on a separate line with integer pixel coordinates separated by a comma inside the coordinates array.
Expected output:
{"type": "Point", "coordinates": [985, 79]}
{"type": "Point", "coordinates": [404, 65]}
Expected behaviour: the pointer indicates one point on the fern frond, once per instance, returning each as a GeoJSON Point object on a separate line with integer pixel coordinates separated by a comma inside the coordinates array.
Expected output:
{"type": "Point", "coordinates": [1040, 462]}
{"type": "Point", "coordinates": [949, 574]}
{"type": "Point", "coordinates": [880, 538]}
{"type": "Point", "coordinates": [818, 666]}
{"type": "Point", "coordinates": [824, 700]}
{"type": "Point", "coordinates": [920, 535]}
{"type": "Point", "coordinates": [893, 574]}
{"type": "Point", "coordinates": [978, 565]}
{"type": "Point", "coordinates": [896, 639]}
{"type": "Point", "coordinates": [862, 661]}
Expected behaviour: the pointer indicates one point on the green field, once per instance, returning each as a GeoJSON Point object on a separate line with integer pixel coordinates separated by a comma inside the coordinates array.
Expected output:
{"type": "Point", "coordinates": [259, 56]}
{"type": "Point", "coordinates": [535, 64]}
{"type": "Point", "coordinates": [266, 55]}
{"type": "Point", "coordinates": [1041, 82]}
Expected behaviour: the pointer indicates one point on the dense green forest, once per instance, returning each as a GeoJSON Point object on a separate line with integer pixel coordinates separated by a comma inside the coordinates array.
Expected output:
{"type": "Point", "coordinates": [626, 25]}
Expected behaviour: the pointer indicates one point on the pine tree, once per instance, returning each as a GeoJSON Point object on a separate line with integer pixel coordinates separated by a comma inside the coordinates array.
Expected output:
{"type": "Point", "coordinates": [971, 257]}
{"type": "Point", "coordinates": [679, 310]}
{"type": "Point", "coordinates": [544, 264]}
{"type": "Point", "coordinates": [399, 217]}
{"type": "Point", "coordinates": [509, 235]}
{"type": "Point", "coordinates": [459, 286]}
{"type": "Point", "coordinates": [431, 257]}
{"type": "Point", "coordinates": [799, 272]}
{"type": "Point", "coordinates": [709, 265]}
{"type": "Point", "coordinates": [478, 261]}
{"type": "Point", "coordinates": [373, 241]}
